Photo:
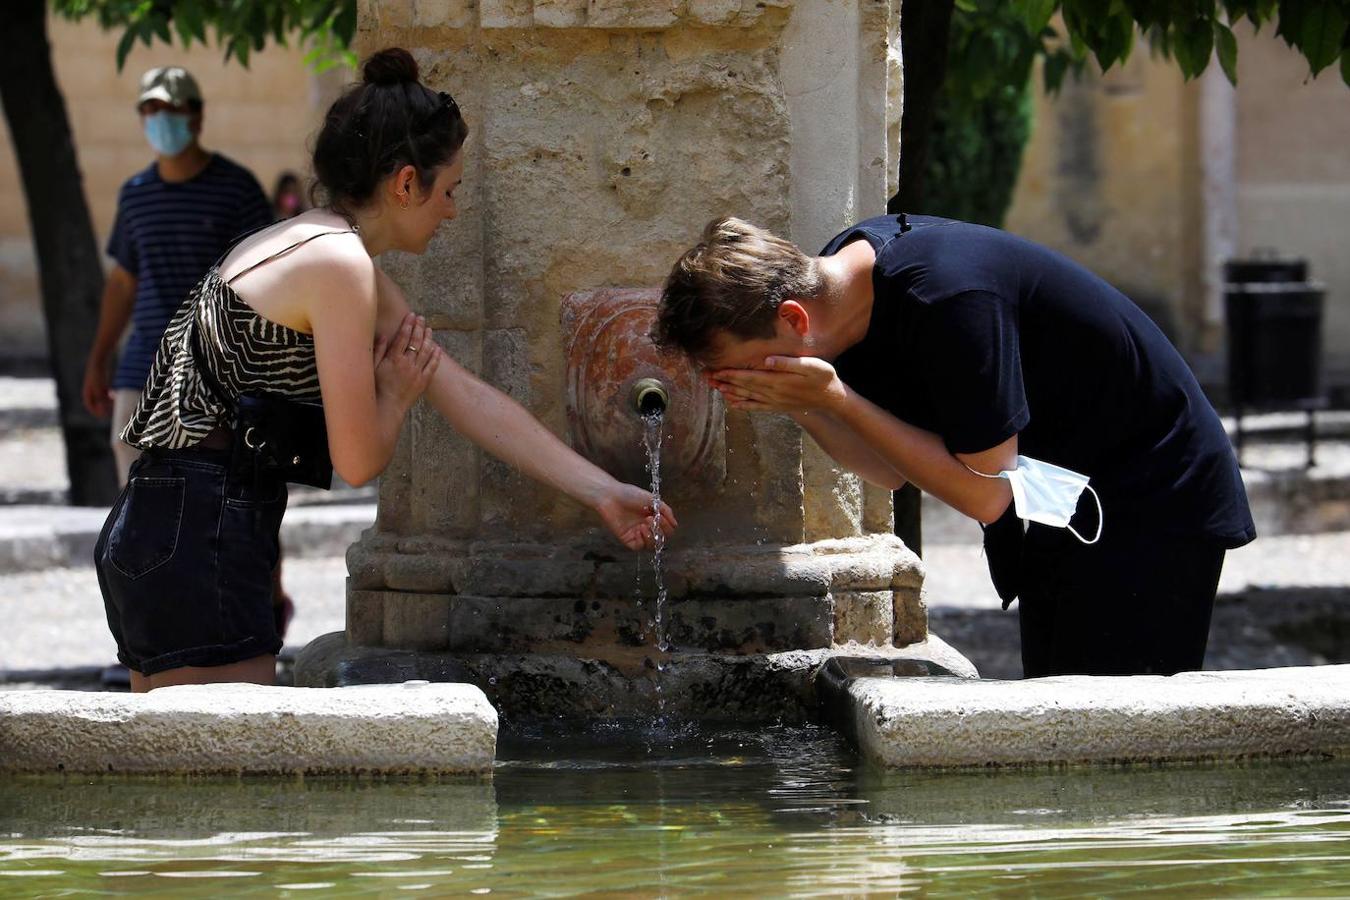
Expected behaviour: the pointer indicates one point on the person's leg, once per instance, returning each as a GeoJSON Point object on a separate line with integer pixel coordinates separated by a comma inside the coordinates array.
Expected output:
{"type": "Point", "coordinates": [258, 670]}
{"type": "Point", "coordinates": [139, 683]}
{"type": "Point", "coordinates": [1140, 604]}
{"type": "Point", "coordinates": [186, 570]}
{"type": "Point", "coordinates": [1036, 623]}
{"type": "Point", "coordinates": [1045, 562]}
{"type": "Point", "coordinates": [124, 404]}
{"type": "Point", "coordinates": [283, 607]}
{"type": "Point", "coordinates": [1193, 584]}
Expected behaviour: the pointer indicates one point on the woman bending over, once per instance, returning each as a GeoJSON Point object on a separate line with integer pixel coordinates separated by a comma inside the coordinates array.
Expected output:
{"type": "Point", "coordinates": [301, 311]}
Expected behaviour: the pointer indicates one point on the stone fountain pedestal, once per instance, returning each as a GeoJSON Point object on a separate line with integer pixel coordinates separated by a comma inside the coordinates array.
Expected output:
{"type": "Point", "coordinates": [553, 631]}
{"type": "Point", "coordinates": [604, 135]}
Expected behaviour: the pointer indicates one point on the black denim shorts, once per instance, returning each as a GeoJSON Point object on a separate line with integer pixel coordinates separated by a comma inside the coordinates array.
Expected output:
{"type": "Point", "coordinates": [185, 562]}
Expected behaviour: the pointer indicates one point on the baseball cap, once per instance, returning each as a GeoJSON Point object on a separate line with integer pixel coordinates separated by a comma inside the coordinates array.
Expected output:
{"type": "Point", "coordinates": [172, 84]}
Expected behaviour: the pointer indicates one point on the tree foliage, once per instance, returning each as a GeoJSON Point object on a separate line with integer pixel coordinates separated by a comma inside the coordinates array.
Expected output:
{"type": "Point", "coordinates": [240, 27]}
{"type": "Point", "coordinates": [1188, 31]}
{"type": "Point", "coordinates": [982, 117]}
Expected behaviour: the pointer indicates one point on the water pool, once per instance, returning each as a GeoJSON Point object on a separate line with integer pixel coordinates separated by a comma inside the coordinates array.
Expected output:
{"type": "Point", "coordinates": [622, 812]}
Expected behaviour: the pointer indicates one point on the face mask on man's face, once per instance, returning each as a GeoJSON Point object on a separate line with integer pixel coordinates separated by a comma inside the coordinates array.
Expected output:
{"type": "Point", "coordinates": [168, 132]}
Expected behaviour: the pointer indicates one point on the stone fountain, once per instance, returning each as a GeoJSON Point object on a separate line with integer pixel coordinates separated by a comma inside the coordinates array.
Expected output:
{"type": "Point", "coordinates": [604, 135]}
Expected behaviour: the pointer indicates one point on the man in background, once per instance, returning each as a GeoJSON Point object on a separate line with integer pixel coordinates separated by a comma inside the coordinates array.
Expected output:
{"type": "Point", "coordinates": [174, 219]}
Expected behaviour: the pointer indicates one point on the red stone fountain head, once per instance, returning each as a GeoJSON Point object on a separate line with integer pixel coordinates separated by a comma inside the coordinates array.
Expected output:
{"type": "Point", "coordinates": [615, 374]}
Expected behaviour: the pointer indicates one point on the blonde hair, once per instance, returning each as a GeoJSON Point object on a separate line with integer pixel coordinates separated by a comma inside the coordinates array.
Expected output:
{"type": "Point", "coordinates": [733, 281]}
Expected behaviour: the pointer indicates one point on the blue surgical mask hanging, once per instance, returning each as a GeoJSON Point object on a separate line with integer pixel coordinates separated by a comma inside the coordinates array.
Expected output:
{"type": "Point", "coordinates": [1046, 493]}
{"type": "Point", "coordinates": [168, 132]}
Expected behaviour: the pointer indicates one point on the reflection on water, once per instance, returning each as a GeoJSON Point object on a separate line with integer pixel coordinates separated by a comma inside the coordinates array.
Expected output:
{"type": "Point", "coordinates": [627, 812]}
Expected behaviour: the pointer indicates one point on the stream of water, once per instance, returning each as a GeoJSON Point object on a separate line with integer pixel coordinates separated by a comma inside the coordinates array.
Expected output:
{"type": "Point", "coordinates": [652, 436]}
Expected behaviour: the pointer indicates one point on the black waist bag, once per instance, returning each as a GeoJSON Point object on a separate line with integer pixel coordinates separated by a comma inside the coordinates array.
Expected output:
{"type": "Point", "coordinates": [278, 435]}
{"type": "Point", "coordinates": [274, 435]}
{"type": "Point", "coordinates": [1003, 542]}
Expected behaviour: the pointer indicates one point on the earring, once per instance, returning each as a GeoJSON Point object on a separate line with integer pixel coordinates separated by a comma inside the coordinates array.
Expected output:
{"type": "Point", "coordinates": [403, 200]}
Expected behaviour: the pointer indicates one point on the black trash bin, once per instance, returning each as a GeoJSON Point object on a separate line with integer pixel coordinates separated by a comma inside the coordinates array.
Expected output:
{"type": "Point", "coordinates": [1274, 340]}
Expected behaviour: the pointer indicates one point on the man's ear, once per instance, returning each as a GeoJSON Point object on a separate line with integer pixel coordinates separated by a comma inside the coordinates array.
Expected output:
{"type": "Point", "coordinates": [795, 316]}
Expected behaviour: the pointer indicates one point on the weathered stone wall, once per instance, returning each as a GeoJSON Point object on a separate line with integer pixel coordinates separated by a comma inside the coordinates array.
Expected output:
{"type": "Point", "coordinates": [1151, 182]}
{"type": "Point", "coordinates": [1293, 190]}
{"type": "Point", "coordinates": [1105, 180]}
{"type": "Point", "coordinates": [604, 136]}
{"type": "Point", "coordinates": [261, 117]}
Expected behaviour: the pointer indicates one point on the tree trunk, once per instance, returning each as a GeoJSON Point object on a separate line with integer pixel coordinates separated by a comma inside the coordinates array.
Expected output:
{"type": "Point", "coordinates": [924, 29]}
{"type": "Point", "coordinates": [63, 235]}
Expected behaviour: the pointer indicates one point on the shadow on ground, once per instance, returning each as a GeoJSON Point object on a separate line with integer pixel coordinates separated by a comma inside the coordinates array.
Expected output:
{"type": "Point", "coordinates": [1254, 629]}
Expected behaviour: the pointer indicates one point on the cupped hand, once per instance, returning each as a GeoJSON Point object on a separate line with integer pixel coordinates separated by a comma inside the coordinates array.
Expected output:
{"type": "Point", "coordinates": [630, 515]}
{"type": "Point", "coordinates": [783, 384]}
{"type": "Point", "coordinates": [405, 362]}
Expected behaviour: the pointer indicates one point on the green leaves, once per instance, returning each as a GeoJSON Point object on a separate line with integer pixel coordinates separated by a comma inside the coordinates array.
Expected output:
{"type": "Point", "coordinates": [344, 22]}
{"type": "Point", "coordinates": [1225, 44]}
{"type": "Point", "coordinates": [1056, 66]}
{"type": "Point", "coordinates": [1323, 34]}
{"type": "Point", "coordinates": [993, 42]}
{"type": "Point", "coordinates": [124, 47]}
{"type": "Point", "coordinates": [1316, 28]}
{"type": "Point", "coordinates": [190, 22]}
{"type": "Point", "coordinates": [1192, 45]}
{"type": "Point", "coordinates": [1189, 31]}
{"type": "Point", "coordinates": [1036, 14]}
{"type": "Point", "coordinates": [241, 27]}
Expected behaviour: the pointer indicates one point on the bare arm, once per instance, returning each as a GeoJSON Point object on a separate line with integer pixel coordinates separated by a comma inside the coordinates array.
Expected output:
{"type": "Point", "coordinates": [114, 312]}
{"type": "Point", "coordinates": [925, 460]}
{"type": "Point", "coordinates": [846, 448]}
{"type": "Point", "coordinates": [507, 430]}
{"type": "Point", "coordinates": [368, 383]}
{"type": "Point", "coordinates": [792, 385]}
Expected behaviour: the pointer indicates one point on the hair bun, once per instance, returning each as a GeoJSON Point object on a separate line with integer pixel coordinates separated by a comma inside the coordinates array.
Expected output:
{"type": "Point", "coordinates": [393, 65]}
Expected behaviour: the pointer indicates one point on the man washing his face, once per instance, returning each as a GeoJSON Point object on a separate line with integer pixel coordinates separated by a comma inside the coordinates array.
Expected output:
{"type": "Point", "coordinates": [1011, 384]}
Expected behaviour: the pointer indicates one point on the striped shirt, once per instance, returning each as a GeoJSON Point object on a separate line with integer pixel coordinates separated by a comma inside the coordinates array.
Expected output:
{"type": "Point", "coordinates": [167, 234]}
{"type": "Point", "coordinates": [245, 353]}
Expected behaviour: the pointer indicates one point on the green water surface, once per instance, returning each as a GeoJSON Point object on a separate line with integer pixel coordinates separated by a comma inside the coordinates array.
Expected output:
{"type": "Point", "coordinates": [624, 813]}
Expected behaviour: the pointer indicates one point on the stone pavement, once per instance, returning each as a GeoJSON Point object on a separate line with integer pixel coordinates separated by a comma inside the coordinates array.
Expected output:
{"type": "Point", "coordinates": [48, 591]}
{"type": "Point", "coordinates": [1285, 598]}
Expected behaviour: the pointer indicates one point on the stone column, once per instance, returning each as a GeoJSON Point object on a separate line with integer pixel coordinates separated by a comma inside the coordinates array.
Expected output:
{"type": "Point", "coordinates": [1218, 144]}
{"type": "Point", "coordinates": [604, 135]}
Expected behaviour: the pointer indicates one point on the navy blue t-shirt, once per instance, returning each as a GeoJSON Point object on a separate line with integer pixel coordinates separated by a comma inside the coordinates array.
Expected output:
{"type": "Point", "coordinates": [167, 234]}
{"type": "Point", "coordinates": [977, 335]}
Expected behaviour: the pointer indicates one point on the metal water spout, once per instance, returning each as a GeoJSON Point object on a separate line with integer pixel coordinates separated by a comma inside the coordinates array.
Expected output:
{"type": "Point", "coordinates": [650, 397]}
{"type": "Point", "coordinates": [616, 377]}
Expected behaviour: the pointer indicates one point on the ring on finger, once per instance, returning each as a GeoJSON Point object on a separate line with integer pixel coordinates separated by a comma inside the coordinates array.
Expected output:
{"type": "Point", "coordinates": [412, 348]}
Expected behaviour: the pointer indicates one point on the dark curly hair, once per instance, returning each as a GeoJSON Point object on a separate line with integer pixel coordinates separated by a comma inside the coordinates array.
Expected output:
{"type": "Point", "coordinates": [376, 127]}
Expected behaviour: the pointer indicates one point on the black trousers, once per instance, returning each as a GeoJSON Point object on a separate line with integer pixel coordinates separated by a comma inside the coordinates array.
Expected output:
{"type": "Point", "coordinates": [1134, 603]}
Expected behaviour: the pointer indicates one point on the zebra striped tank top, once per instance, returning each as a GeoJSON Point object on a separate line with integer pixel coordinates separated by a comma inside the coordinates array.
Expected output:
{"type": "Point", "coordinates": [244, 351]}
